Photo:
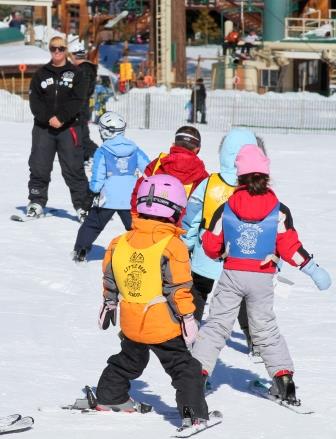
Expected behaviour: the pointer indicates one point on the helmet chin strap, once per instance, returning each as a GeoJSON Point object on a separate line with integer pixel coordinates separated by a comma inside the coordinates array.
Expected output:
{"type": "Point", "coordinates": [151, 198]}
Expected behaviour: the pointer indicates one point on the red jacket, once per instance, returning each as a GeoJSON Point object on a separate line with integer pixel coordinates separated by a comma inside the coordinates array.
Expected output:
{"type": "Point", "coordinates": [180, 163]}
{"type": "Point", "coordinates": [256, 208]}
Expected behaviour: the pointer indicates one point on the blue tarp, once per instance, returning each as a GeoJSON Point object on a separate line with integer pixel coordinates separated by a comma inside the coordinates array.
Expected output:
{"type": "Point", "coordinates": [110, 54]}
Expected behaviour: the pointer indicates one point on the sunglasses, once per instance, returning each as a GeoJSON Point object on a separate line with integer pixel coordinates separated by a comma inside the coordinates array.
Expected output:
{"type": "Point", "coordinates": [59, 48]}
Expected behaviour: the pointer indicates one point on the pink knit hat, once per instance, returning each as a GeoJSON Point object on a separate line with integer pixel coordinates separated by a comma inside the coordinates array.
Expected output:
{"type": "Point", "coordinates": [252, 159]}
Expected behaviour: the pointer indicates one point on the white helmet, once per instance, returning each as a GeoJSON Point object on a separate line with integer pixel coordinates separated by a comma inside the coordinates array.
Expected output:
{"type": "Point", "coordinates": [111, 124]}
{"type": "Point", "coordinates": [77, 48]}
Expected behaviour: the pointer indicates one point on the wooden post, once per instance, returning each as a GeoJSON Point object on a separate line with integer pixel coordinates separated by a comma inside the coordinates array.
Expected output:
{"type": "Point", "coordinates": [4, 79]}
{"type": "Point", "coordinates": [198, 68]}
{"type": "Point", "coordinates": [22, 84]}
{"type": "Point", "coordinates": [152, 38]}
{"type": "Point", "coordinates": [179, 38]}
{"type": "Point", "coordinates": [83, 19]}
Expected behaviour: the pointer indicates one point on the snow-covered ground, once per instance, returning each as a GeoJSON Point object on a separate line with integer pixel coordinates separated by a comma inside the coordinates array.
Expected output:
{"type": "Point", "coordinates": [51, 345]}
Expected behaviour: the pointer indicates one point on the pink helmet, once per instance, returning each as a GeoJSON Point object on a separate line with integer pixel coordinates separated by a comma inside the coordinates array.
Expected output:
{"type": "Point", "coordinates": [161, 195]}
{"type": "Point", "coordinates": [252, 159]}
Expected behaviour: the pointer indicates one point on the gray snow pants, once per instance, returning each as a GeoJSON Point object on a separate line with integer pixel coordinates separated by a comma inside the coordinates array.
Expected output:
{"type": "Point", "coordinates": [258, 291]}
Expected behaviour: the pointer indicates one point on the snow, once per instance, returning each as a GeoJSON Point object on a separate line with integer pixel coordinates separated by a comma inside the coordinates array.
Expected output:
{"type": "Point", "coordinates": [14, 54]}
{"type": "Point", "coordinates": [51, 346]}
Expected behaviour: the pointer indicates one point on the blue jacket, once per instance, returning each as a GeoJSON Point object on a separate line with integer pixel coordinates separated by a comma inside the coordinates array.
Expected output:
{"type": "Point", "coordinates": [229, 149]}
{"type": "Point", "coordinates": [114, 171]}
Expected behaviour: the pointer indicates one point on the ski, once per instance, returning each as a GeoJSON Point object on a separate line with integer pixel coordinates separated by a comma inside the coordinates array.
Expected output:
{"type": "Point", "coordinates": [21, 424]}
{"type": "Point", "coordinates": [166, 414]}
{"type": "Point", "coordinates": [89, 404]}
{"type": "Point", "coordinates": [215, 418]}
{"type": "Point", "coordinates": [260, 389]}
{"type": "Point", "coordinates": [24, 218]}
{"type": "Point", "coordinates": [8, 420]}
{"type": "Point", "coordinates": [81, 405]}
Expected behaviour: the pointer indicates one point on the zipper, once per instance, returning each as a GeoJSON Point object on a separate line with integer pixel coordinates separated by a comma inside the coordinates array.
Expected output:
{"type": "Point", "coordinates": [56, 94]}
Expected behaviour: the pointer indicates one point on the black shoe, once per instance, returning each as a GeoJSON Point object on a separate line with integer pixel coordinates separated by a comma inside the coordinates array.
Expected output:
{"type": "Point", "coordinates": [252, 349]}
{"type": "Point", "coordinates": [283, 387]}
{"type": "Point", "coordinates": [81, 215]}
{"type": "Point", "coordinates": [80, 255]}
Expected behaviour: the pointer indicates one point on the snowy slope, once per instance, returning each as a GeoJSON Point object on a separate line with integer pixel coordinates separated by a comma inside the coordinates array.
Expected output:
{"type": "Point", "coordinates": [51, 346]}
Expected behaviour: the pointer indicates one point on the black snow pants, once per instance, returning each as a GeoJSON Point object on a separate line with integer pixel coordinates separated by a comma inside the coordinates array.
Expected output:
{"type": "Point", "coordinates": [202, 287]}
{"type": "Point", "coordinates": [67, 145]}
{"type": "Point", "coordinates": [184, 370]}
{"type": "Point", "coordinates": [95, 223]}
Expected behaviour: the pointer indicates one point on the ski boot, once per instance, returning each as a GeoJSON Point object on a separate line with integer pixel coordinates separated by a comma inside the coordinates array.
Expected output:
{"type": "Point", "coordinates": [130, 406]}
{"type": "Point", "coordinates": [80, 255]}
{"type": "Point", "coordinates": [283, 387]}
{"type": "Point", "coordinates": [91, 397]}
{"type": "Point", "coordinates": [81, 215]}
{"type": "Point", "coordinates": [34, 210]}
{"type": "Point", "coordinates": [189, 420]}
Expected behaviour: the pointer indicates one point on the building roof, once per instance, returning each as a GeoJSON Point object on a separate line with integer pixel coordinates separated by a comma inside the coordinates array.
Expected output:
{"type": "Point", "coordinates": [13, 55]}
{"type": "Point", "coordinates": [10, 35]}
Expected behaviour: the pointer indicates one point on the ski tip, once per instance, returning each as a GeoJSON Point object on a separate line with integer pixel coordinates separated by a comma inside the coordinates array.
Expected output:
{"type": "Point", "coordinates": [16, 218]}
{"type": "Point", "coordinates": [216, 414]}
{"type": "Point", "coordinates": [26, 420]}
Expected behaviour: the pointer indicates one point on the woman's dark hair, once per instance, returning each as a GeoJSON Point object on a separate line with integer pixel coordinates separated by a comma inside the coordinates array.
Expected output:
{"type": "Point", "coordinates": [256, 183]}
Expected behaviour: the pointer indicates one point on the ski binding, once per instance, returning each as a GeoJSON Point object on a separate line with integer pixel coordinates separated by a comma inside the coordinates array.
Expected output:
{"type": "Point", "coordinates": [215, 418]}
{"type": "Point", "coordinates": [260, 389]}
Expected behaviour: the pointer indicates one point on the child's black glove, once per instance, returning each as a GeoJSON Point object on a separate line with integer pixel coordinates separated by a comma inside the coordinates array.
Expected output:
{"type": "Point", "coordinates": [107, 314]}
{"type": "Point", "coordinates": [87, 203]}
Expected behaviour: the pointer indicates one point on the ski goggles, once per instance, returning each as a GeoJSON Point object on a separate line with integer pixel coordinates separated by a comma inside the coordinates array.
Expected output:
{"type": "Point", "coordinates": [53, 49]}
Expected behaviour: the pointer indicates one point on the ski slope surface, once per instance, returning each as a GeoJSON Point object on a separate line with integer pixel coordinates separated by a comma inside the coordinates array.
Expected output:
{"type": "Point", "coordinates": [51, 346]}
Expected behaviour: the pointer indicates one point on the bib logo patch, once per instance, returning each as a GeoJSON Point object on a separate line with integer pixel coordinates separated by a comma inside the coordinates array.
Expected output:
{"type": "Point", "coordinates": [219, 194]}
{"type": "Point", "coordinates": [122, 164]}
{"type": "Point", "coordinates": [247, 241]}
{"type": "Point", "coordinates": [135, 270]}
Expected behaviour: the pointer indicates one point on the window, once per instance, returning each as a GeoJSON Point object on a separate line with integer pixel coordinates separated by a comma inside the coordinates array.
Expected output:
{"type": "Point", "coordinates": [269, 78]}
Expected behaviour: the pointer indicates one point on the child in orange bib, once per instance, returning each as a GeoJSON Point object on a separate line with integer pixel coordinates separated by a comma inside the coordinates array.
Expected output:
{"type": "Point", "coordinates": [147, 272]}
